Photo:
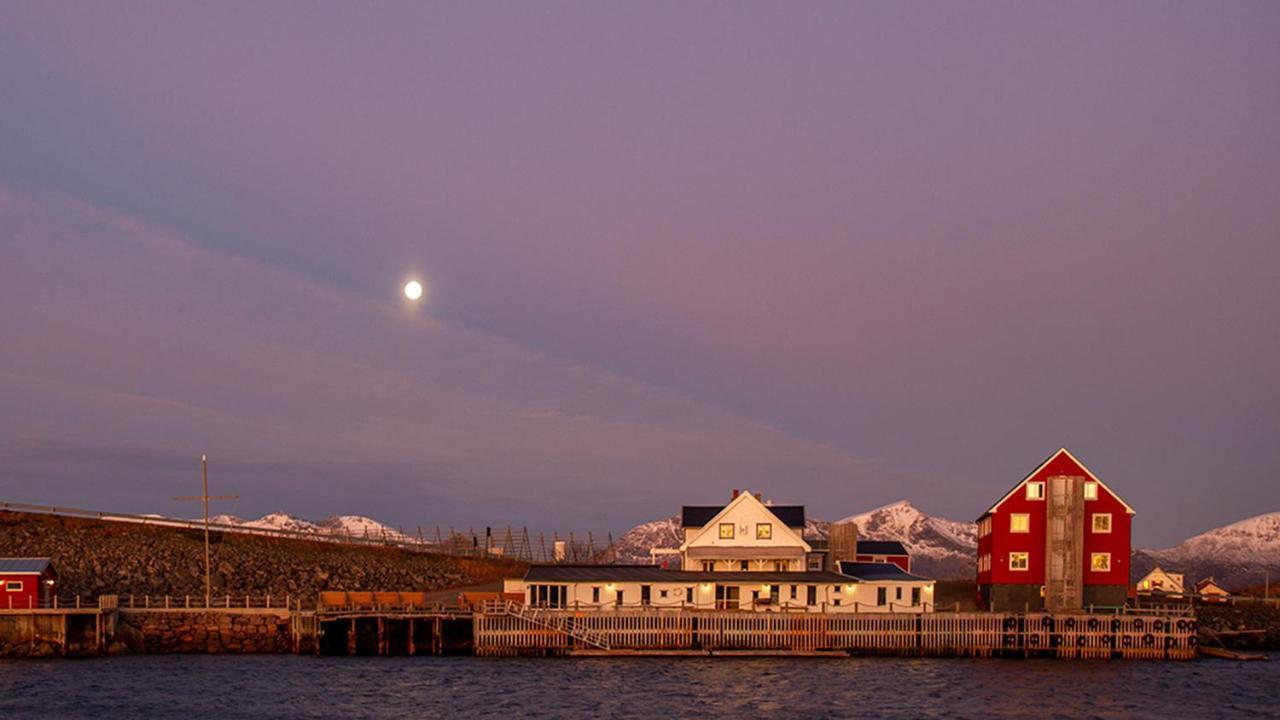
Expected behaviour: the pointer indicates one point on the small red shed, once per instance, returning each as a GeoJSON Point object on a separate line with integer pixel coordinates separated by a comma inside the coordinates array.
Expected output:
{"type": "Point", "coordinates": [884, 551]}
{"type": "Point", "coordinates": [27, 583]}
{"type": "Point", "coordinates": [1059, 540]}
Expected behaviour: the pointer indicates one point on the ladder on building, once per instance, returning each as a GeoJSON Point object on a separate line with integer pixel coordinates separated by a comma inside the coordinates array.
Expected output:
{"type": "Point", "coordinates": [559, 622]}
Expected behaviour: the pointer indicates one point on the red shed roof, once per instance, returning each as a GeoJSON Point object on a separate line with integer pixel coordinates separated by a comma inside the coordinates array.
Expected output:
{"type": "Point", "coordinates": [24, 566]}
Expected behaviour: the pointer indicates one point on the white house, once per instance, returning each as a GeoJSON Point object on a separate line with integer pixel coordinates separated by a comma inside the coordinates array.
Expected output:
{"type": "Point", "coordinates": [1160, 582]}
{"type": "Point", "coordinates": [746, 555]}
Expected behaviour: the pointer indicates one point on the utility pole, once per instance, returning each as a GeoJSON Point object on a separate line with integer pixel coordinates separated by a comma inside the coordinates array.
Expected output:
{"type": "Point", "coordinates": [205, 497]}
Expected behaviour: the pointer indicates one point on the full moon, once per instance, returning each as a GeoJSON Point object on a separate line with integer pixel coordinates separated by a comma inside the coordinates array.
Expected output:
{"type": "Point", "coordinates": [413, 289]}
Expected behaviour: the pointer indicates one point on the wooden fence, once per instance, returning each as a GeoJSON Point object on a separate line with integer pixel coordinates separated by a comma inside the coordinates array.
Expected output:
{"type": "Point", "coordinates": [980, 634]}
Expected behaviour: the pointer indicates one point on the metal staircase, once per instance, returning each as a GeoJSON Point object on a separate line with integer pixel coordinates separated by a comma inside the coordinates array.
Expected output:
{"type": "Point", "coordinates": [559, 621]}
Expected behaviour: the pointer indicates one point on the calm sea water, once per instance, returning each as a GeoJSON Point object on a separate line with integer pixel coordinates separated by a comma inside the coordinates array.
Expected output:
{"type": "Point", "coordinates": [307, 687]}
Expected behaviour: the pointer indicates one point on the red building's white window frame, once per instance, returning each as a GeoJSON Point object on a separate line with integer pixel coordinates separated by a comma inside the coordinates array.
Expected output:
{"type": "Point", "coordinates": [1026, 525]}
{"type": "Point", "coordinates": [1093, 523]}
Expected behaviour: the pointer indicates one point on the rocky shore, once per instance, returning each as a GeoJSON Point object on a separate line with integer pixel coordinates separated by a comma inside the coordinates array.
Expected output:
{"type": "Point", "coordinates": [99, 557]}
{"type": "Point", "coordinates": [1231, 619]}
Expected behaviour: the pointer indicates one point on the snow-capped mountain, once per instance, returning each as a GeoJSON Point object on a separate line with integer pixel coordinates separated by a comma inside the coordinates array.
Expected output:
{"type": "Point", "coordinates": [633, 547]}
{"type": "Point", "coordinates": [338, 525]}
{"type": "Point", "coordinates": [360, 526]}
{"type": "Point", "coordinates": [940, 548]}
{"type": "Point", "coordinates": [1237, 555]}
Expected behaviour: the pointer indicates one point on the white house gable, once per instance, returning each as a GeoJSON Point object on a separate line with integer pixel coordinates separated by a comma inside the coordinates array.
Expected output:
{"type": "Point", "coordinates": [744, 531]}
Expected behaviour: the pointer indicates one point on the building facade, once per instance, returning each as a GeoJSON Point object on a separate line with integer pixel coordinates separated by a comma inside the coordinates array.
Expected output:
{"type": "Point", "coordinates": [1059, 540]}
{"type": "Point", "coordinates": [746, 555]}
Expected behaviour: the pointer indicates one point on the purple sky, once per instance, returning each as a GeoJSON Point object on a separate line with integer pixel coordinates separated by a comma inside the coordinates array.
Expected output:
{"type": "Point", "coordinates": [838, 253]}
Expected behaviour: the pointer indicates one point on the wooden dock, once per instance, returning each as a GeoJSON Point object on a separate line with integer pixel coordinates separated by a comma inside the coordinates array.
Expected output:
{"type": "Point", "coordinates": [388, 623]}
{"type": "Point", "coordinates": [516, 630]}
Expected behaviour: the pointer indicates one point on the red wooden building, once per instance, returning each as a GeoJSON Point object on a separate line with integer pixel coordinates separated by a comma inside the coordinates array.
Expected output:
{"type": "Point", "coordinates": [26, 583]}
{"type": "Point", "coordinates": [1058, 540]}
{"type": "Point", "coordinates": [884, 551]}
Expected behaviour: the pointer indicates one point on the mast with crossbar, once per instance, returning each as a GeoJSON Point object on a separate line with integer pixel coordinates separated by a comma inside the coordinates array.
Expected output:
{"type": "Point", "coordinates": [205, 497]}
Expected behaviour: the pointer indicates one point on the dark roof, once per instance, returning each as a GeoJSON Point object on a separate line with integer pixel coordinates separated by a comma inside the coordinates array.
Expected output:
{"type": "Point", "coordinates": [650, 573]}
{"type": "Point", "coordinates": [881, 547]}
{"type": "Point", "coordinates": [698, 515]}
{"type": "Point", "coordinates": [878, 571]}
{"type": "Point", "coordinates": [24, 565]}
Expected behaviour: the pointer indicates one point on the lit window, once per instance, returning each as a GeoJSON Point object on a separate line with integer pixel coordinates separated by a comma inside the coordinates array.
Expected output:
{"type": "Point", "coordinates": [13, 586]}
{"type": "Point", "coordinates": [1100, 562]}
{"type": "Point", "coordinates": [1020, 523]}
{"type": "Point", "coordinates": [726, 531]}
{"type": "Point", "coordinates": [1091, 490]}
{"type": "Point", "coordinates": [1018, 560]}
{"type": "Point", "coordinates": [764, 531]}
{"type": "Point", "coordinates": [1035, 491]}
{"type": "Point", "coordinates": [1102, 522]}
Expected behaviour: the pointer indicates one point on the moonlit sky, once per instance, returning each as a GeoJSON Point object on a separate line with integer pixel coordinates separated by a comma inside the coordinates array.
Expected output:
{"type": "Point", "coordinates": [840, 254]}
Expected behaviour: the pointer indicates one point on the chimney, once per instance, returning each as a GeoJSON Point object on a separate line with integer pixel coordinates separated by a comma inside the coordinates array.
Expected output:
{"type": "Point", "coordinates": [736, 492]}
{"type": "Point", "coordinates": [760, 497]}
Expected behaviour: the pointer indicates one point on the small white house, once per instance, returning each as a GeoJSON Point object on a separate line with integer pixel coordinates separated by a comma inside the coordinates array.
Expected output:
{"type": "Point", "coordinates": [1161, 582]}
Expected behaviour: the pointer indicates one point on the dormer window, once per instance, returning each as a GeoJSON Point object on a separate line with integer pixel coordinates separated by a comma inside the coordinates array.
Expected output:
{"type": "Point", "coordinates": [1035, 491]}
{"type": "Point", "coordinates": [764, 531]}
{"type": "Point", "coordinates": [726, 531]}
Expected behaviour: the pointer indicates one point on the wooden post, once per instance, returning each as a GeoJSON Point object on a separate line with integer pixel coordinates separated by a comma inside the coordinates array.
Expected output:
{"type": "Point", "coordinates": [351, 639]}
{"type": "Point", "coordinates": [412, 622]}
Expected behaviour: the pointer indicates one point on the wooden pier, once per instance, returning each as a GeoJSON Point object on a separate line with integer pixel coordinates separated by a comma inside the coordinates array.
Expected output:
{"type": "Point", "coordinates": [516, 630]}
{"type": "Point", "coordinates": [389, 623]}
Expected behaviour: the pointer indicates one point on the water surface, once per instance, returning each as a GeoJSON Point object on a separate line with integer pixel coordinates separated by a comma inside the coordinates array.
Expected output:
{"type": "Point", "coordinates": [277, 687]}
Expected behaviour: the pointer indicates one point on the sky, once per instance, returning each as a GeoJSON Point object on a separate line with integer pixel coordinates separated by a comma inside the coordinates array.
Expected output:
{"type": "Point", "coordinates": [838, 253]}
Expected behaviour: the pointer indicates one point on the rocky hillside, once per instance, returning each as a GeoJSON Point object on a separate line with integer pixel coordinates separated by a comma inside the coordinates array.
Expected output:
{"type": "Point", "coordinates": [1236, 555]}
{"type": "Point", "coordinates": [96, 557]}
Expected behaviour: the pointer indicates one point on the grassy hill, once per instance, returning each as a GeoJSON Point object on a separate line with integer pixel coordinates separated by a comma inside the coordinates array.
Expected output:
{"type": "Point", "coordinates": [95, 557]}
